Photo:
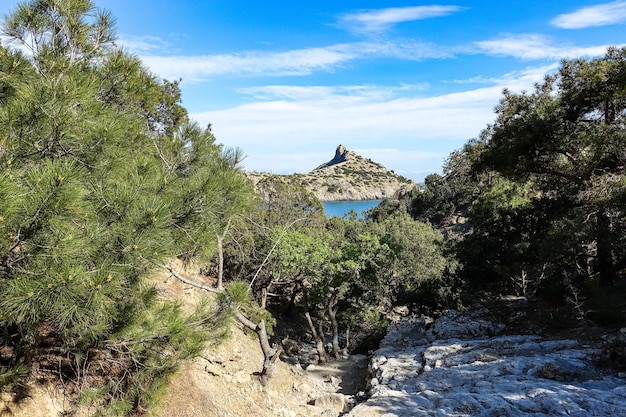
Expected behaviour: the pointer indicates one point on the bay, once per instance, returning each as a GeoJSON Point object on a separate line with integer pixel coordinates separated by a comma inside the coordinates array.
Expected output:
{"type": "Point", "coordinates": [341, 208]}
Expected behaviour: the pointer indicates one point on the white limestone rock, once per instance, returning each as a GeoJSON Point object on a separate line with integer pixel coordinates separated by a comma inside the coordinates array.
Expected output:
{"type": "Point", "coordinates": [468, 368]}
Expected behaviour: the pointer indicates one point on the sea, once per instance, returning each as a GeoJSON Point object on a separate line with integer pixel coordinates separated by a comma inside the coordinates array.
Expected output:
{"type": "Point", "coordinates": [342, 208]}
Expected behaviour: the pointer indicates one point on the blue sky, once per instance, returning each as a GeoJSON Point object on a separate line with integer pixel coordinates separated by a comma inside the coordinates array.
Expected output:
{"type": "Point", "coordinates": [403, 82]}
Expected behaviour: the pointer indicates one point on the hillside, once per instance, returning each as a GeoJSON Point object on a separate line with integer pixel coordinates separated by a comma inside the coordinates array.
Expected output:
{"type": "Point", "coordinates": [222, 382]}
{"type": "Point", "coordinates": [348, 176]}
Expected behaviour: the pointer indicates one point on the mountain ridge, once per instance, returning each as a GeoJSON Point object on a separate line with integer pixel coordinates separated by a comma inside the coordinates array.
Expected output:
{"type": "Point", "coordinates": [349, 177]}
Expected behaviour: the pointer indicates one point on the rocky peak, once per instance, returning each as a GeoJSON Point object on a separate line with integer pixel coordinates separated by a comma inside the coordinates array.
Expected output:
{"type": "Point", "coordinates": [349, 176]}
{"type": "Point", "coordinates": [342, 154]}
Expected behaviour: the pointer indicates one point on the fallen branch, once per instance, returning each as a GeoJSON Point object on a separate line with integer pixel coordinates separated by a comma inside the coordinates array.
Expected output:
{"type": "Point", "coordinates": [178, 276]}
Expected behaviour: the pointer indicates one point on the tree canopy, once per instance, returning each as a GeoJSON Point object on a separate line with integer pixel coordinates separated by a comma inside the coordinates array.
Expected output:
{"type": "Point", "coordinates": [541, 191]}
{"type": "Point", "coordinates": [103, 179]}
{"type": "Point", "coordinates": [567, 138]}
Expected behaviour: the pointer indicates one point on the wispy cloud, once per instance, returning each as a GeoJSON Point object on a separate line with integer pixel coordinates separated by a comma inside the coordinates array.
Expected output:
{"type": "Point", "coordinates": [296, 62]}
{"type": "Point", "coordinates": [409, 49]}
{"type": "Point", "coordinates": [267, 63]}
{"type": "Point", "coordinates": [598, 15]}
{"type": "Point", "coordinates": [329, 119]}
{"type": "Point", "coordinates": [517, 80]}
{"type": "Point", "coordinates": [142, 44]}
{"type": "Point", "coordinates": [351, 93]}
{"type": "Point", "coordinates": [266, 129]}
{"type": "Point", "coordinates": [380, 20]}
{"type": "Point", "coordinates": [531, 46]}
{"type": "Point", "coordinates": [306, 61]}
{"type": "Point", "coordinates": [409, 163]}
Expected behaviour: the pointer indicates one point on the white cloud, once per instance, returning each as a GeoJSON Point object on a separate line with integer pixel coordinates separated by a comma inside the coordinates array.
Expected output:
{"type": "Point", "coordinates": [517, 81]}
{"type": "Point", "coordinates": [531, 46]}
{"type": "Point", "coordinates": [310, 119]}
{"type": "Point", "coordinates": [306, 61]}
{"type": "Point", "coordinates": [264, 130]}
{"type": "Point", "coordinates": [351, 93]}
{"type": "Point", "coordinates": [334, 117]}
{"type": "Point", "coordinates": [375, 21]}
{"type": "Point", "coordinates": [598, 15]}
{"type": "Point", "coordinates": [12, 43]}
{"type": "Point", "coordinates": [294, 62]}
{"type": "Point", "coordinates": [409, 49]}
{"type": "Point", "coordinates": [286, 63]}
{"type": "Point", "coordinates": [142, 44]}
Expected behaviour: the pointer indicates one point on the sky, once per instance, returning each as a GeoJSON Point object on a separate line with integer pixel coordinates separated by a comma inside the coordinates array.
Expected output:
{"type": "Point", "coordinates": [404, 83]}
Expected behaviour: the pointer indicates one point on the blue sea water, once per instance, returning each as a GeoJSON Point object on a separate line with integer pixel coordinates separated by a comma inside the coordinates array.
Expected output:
{"type": "Point", "coordinates": [341, 208]}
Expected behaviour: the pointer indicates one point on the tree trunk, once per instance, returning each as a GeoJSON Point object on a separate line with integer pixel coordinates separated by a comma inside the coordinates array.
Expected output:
{"type": "Point", "coordinates": [271, 354]}
{"type": "Point", "coordinates": [289, 312]}
{"type": "Point", "coordinates": [604, 255]}
{"type": "Point", "coordinates": [317, 336]}
{"type": "Point", "coordinates": [319, 339]}
{"type": "Point", "coordinates": [220, 254]}
{"type": "Point", "coordinates": [331, 312]}
{"type": "Point", "coordinates": [220, 261]}
{"type": "Point", "coordinates": [263, 302]}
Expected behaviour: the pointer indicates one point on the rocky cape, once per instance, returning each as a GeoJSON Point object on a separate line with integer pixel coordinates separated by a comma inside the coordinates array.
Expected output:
{"type": "Point", "coordinates": [349, 177]}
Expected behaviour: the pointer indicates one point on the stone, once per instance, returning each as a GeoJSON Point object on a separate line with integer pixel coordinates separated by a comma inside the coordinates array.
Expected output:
{"type": "Point", "coordinates": [290, 347]}
{"type": "Point", "coordinates": [342, 154]}
{"type": "Point", "coordinates": [242, 377]}
{"type": "Point", "coordinates": [334, 380]}
{"type": "Point", "coordinates": [468, 368]}
{"type": "Point", "coordinates": [335, 402]}
{"type": "Point", "coordinates": [214, 369]}
{"type": "Point", "coordinates": [377, 361]}
{"type": "Point", "coordinates": [283, 412]}
{"type": "Point", "coordinates": [456, 325]}
{"type": "Point", "coordinates": [303, 388]}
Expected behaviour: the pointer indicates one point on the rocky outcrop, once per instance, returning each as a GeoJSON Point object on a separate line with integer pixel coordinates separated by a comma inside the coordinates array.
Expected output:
{"type": "Point", "coordinates": [465, 365]}
{"type": "Point", "coordinates": [342, 154]}
{"type": "Point", "coordinates": [350, 177]}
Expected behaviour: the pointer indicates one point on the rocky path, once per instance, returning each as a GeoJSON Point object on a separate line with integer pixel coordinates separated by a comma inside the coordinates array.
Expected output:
{"type": "Point", "coordinates": [460, 366]}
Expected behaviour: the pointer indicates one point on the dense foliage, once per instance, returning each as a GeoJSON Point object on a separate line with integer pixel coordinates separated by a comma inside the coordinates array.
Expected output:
{"type": "Point", "coordinates": [543, 189]}
{"type": "Point", "coordinates": [102, 179]}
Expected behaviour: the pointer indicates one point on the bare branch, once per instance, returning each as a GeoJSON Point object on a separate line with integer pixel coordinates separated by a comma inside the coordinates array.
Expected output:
{"type": "Point", "coordinates": [269, 254]}
{"type": "Point", "coordinates": [178, 276]}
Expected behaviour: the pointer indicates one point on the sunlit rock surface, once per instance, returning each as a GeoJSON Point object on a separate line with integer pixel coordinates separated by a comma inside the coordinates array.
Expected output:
{"type": "Point", "coordinates": [463, 366]}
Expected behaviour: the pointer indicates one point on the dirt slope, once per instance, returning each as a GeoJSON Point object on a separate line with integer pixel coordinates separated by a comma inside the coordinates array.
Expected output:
{"type": "Point", "coordinates": [223, 382]}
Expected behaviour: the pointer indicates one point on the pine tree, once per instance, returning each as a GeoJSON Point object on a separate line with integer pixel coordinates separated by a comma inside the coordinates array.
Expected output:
{"type": "Point", "coordinates": [87, 147]}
